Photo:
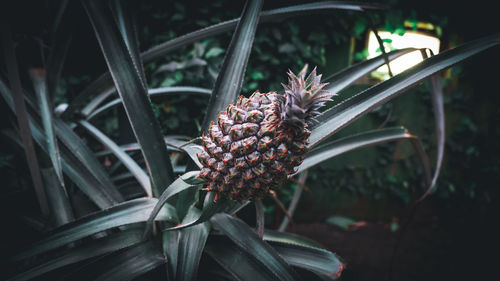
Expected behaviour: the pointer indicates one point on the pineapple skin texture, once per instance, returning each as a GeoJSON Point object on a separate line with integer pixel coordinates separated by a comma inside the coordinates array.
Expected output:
{"type": "Point", "coordinates": [248, 152]}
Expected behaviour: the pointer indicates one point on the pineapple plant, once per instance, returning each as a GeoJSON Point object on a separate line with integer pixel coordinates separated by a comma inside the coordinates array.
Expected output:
{"type": "Point", "coordinates": [100, 230]}
{"type": "Point", "coordinates": [257, 142]}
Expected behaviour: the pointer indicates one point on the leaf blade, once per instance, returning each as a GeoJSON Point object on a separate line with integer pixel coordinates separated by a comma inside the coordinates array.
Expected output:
{"type": "Point", "coordinates": [341, 115]}
{"type": "Point", "coordinates": [132, 166]}
{"type": "Point", "coordinates": [248, 240]}
{"type": "Point", "coordinates": [132, 211]}
{"type": "Point", "coordinates": [134, 97]}
{"type": "Point", "coordinates": [228, 84]}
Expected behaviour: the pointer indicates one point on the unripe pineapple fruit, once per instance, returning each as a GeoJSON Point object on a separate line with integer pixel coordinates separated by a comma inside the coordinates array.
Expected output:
{"type": "Point", "coordinates": [257, 142]}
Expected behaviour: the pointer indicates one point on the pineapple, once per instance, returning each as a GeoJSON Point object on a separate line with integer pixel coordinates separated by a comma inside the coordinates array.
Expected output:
{"type": "Point", "coordinates": [257, 142]}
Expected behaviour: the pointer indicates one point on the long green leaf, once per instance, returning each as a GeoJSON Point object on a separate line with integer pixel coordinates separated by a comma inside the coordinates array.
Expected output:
{"type": "Point", "coordinates": [331, 149]}
{"type": "Point", "coordinates": [436, 90]}
{"type": "Point", "coordinates": [133, 211]}
{"type": "Point", "coordinates": [319, 261]}
{"type": "Point", "coordinates": [134, 96]}
{"type": "Point", "coordinates": [248, 241]}
{"type": "Point", "coordinates": [352, 109]}
{"type": "Point", "coordinates": [340, 80]}
{"type": "Point", "coordinates": [22, 114]}
{"type": "Point", "coordinates": [191, 243]}
{"type": "Point", "coordinates": [334, 148]}
{"type": "Point", "coordinates": [128, 29]}
{"type": "Point", "coordinates": [171, 250]}
{"type": "Point", "coordinates": [86, 251]}
{"type": "Point", "coordinates": [86, 158]}
{"type": "Point", "coordinates": [132, 166]}
{"type": "Point", "coordinates": [289, 238]}
{"type": "Point", "coordinates": [103, 83]}
{"type": "Point", "coordinates": [238, 262]}
{"type": "Point", "coordinates": [164, 91]}
{"type": "Point", "coordinates": [305, 253]}
{"type": "Point", "coordinates": [60, 207]}
{"type": "Point", "coordinates": [125, 264]}
{"type": "Point", "coordinates": [228, 84]}
{"type": "Point", "coordinates": [45, 106]}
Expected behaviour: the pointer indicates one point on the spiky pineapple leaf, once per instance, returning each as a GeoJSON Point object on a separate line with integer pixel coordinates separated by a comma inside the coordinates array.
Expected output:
{"type": "Point", "coordinates": [305, 253]}
{"type": "Point", "coordinates": [436, 90]}
{"type": "Point", "coordinates": [132, 211]}
{"type": "Point", "coordinates": [247, 240]}
{"type": "Point", "coordinates": [340, 80]}
{"type": "Point", "coordinates": [128, 28]}
{"type": "Point", "coordinates": [191, 243]}
{"type": "Point", "coordinates": [331, 149]}
{"type": "Point", "coordinates": [125, 264]}
{"type": "Point", "coordinates": [90, 113]}
{"type": "Point", "coordinates": [102, 84]}
{"type": "Point", "coordinates": [131, 165]}
{"type": "Point", "coordinates": [133, 95]}
{"type": "Point", "coordinates": [45, 107]}
{"type": "Point", "coordinates": [78, 162]}
{"type": "Point", "coordinates": [83, 252]}
{"type": "Point", "coordinates": [228, 84]}
{"type": "Point", "coordinates": [343, 114]}
{"type": "Point", "coordinates": [238, 262]}
{"type": "Point", "coordinates": [170, 241]}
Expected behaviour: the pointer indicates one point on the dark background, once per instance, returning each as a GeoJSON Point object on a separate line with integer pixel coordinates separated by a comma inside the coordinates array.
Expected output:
{"type": "Point", "coordinates": [450, 235]}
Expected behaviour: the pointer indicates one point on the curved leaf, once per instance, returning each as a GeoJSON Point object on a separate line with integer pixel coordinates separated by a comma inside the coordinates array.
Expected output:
{"type": "Point", "coordinates": [125, 264]}
{"type": "Point", "coordinates": [238, 262]}
{"type": "Point", "coordinates": [177, 186]}
{"type": "Point", "coordinates": [131, 165]}
{"type": "Point", "coordinates": [129, 212]}
{"type": "Point", "coordinates": [340, 80]}
{"type": "Point", "coordinates": [289, 238]}
{"type": "Point", "coordinates": [248, 241]}
{"type": "Point", "coordinates": [207, 212]}
{"type": "Point", "coordinates": [436, 90]}
{"type": "Point", "coordinates": [319, 261]}
{"type": "Point", "coordinates": [336, 147]}
{"type": "Point", "coordinates": [86, 251]}
{"type": "Point", "coordinates": [341, 115]}
{"type": "Point", "coordinates": [305, 253]}
{"type": "Point", "coordinates": [91, 113]}
{"type": "Point", "coordinates": [228, 84]}
{"type": "Point", "coordinates": [133, 95]}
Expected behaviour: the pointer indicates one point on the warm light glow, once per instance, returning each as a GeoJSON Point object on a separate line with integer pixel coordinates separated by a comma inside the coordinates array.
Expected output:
{"type": "Point", "coordinates": [409, 39]}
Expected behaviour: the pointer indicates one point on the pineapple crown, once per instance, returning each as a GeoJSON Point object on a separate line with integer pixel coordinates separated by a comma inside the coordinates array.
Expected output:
{"type": "Point", "coordinates": [302, 99]}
